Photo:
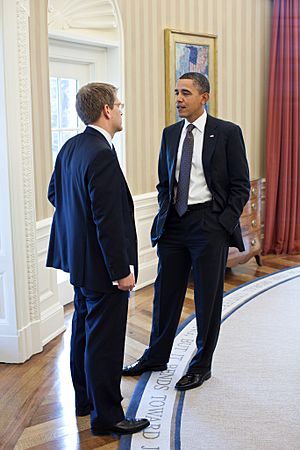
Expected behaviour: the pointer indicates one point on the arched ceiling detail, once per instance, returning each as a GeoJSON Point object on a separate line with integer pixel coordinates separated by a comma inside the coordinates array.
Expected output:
{"type": "Point", "coordinates": [70, 15]}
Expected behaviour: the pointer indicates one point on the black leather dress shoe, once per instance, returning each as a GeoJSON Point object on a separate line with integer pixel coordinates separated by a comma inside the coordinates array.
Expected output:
{"type": "Point", "coordinates": [126, 426]}
{"type": "Point", "coordinates": [80, 412]}
{"type": "Point", "coordinates": [192, 380]}
{"type": "Point", "coordinates": [139, 367]}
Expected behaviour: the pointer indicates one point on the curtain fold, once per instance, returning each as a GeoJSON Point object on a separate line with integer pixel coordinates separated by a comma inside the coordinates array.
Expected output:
{"type": "Point", "coordinates": [282, 206]}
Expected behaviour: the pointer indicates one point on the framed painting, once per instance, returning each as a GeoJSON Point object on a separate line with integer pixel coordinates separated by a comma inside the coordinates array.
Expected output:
{"type": "Point", "coordinates": [185, 52]}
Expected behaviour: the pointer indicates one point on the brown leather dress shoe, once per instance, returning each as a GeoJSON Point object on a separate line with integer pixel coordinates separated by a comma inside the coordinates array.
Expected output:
{"type": "Point", "coordinates": [139, 367]}
{"type": "Point", "coordinates": [126, 426]}
{"type": "Point", "coordinates": [192, 380]}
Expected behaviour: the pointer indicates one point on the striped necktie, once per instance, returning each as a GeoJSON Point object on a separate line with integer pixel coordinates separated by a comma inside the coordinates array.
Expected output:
{"type": "Point", "coordinates": [183, 185]}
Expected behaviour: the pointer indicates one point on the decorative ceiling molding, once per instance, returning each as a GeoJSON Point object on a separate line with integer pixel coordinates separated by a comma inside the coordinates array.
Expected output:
{"type": "Point", "coordinates": [76, 14]}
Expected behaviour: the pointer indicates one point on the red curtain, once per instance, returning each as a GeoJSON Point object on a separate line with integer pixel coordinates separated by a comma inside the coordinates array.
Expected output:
{"type": "Point", "coordinates": [282, 207]}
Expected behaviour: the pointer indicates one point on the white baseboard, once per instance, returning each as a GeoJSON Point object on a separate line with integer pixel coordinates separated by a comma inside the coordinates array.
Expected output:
{"type": "Point", "coordinates": [18, 348]}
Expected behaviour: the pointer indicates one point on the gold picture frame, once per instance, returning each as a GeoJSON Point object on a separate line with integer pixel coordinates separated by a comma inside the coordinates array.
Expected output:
{"type": "Point", "coordinates": [189, 52]}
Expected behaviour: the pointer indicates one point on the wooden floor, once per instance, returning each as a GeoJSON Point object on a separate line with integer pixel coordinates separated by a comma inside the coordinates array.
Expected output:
{"type": "Point", "coordinates": [37, 400]}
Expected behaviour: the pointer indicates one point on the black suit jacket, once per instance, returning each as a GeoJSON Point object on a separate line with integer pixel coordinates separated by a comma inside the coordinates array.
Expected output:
{"type": "Point", "coordinates": [226, 172]}
{"type": "Point", "coordinates": [93, 234]}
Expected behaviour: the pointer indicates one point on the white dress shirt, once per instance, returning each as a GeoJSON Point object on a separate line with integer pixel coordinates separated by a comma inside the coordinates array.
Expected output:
{"type": "Point", "coordinates": [198, 191]}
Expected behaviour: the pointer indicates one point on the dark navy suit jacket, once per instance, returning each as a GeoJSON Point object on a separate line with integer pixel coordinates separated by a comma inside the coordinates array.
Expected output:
{"type": "Point", "coordinates": [226, 172]}
{"type": "Point", "coordinates": [93, 234]}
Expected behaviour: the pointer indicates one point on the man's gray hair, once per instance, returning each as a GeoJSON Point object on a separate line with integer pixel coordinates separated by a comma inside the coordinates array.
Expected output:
{"type": "Point", "coordinates": [91, 99]}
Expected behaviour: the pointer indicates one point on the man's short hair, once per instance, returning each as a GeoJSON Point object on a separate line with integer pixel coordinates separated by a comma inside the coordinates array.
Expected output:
{"type": "Point", "coordinates": [91, 98]}
{"type": "Point", "coordinates": [200, 81]}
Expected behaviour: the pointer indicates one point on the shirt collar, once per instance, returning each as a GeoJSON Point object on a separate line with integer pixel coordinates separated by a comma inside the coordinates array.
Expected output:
{"type": "Point", "coordinates": [104, 132]}
{"type": "Point", "coordinates": [199, 123]}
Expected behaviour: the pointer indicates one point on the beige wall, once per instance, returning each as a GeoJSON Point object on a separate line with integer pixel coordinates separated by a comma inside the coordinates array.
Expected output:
{"type": "Point", "coordinates": [41, 117]}
{"type": "Point", "coordinates": [243, 32]}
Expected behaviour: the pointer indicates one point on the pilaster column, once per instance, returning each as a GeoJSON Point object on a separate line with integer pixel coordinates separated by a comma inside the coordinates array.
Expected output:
{"type": "Point", "coordinates": [21, 324]}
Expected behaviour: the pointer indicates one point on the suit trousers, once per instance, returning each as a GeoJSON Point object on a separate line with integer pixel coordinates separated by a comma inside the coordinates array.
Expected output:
{"type": "Point", "coordinates": [196, 240]}
{"type": "Point", "coordinates": [97, 352]}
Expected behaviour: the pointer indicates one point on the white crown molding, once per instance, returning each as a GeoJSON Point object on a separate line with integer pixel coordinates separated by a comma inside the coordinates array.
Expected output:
{"type": "Point", "coordinates": [76, 14]}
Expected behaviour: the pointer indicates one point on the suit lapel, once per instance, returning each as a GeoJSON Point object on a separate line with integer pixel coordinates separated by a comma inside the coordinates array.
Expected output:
{"type": "Point", "coordinates": [173, 150]}
{"type": "Point", "coordinates": [209, 144]}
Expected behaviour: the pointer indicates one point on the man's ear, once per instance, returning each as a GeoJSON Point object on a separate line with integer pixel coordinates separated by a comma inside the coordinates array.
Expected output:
{"type": "Point", "coordinates": [205, 98]}
{"type": "Point", "coordinates": [106, 112]}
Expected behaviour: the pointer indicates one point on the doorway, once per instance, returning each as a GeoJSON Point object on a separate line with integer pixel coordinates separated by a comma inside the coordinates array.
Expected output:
{"type": "Point", "coordinates": [71, 66]}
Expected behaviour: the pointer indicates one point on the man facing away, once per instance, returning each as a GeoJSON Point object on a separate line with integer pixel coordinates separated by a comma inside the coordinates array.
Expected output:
{"type": "Point", "coordinates": [203, 187]}
{"type": "Point", "coordinates": [93, 237]}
